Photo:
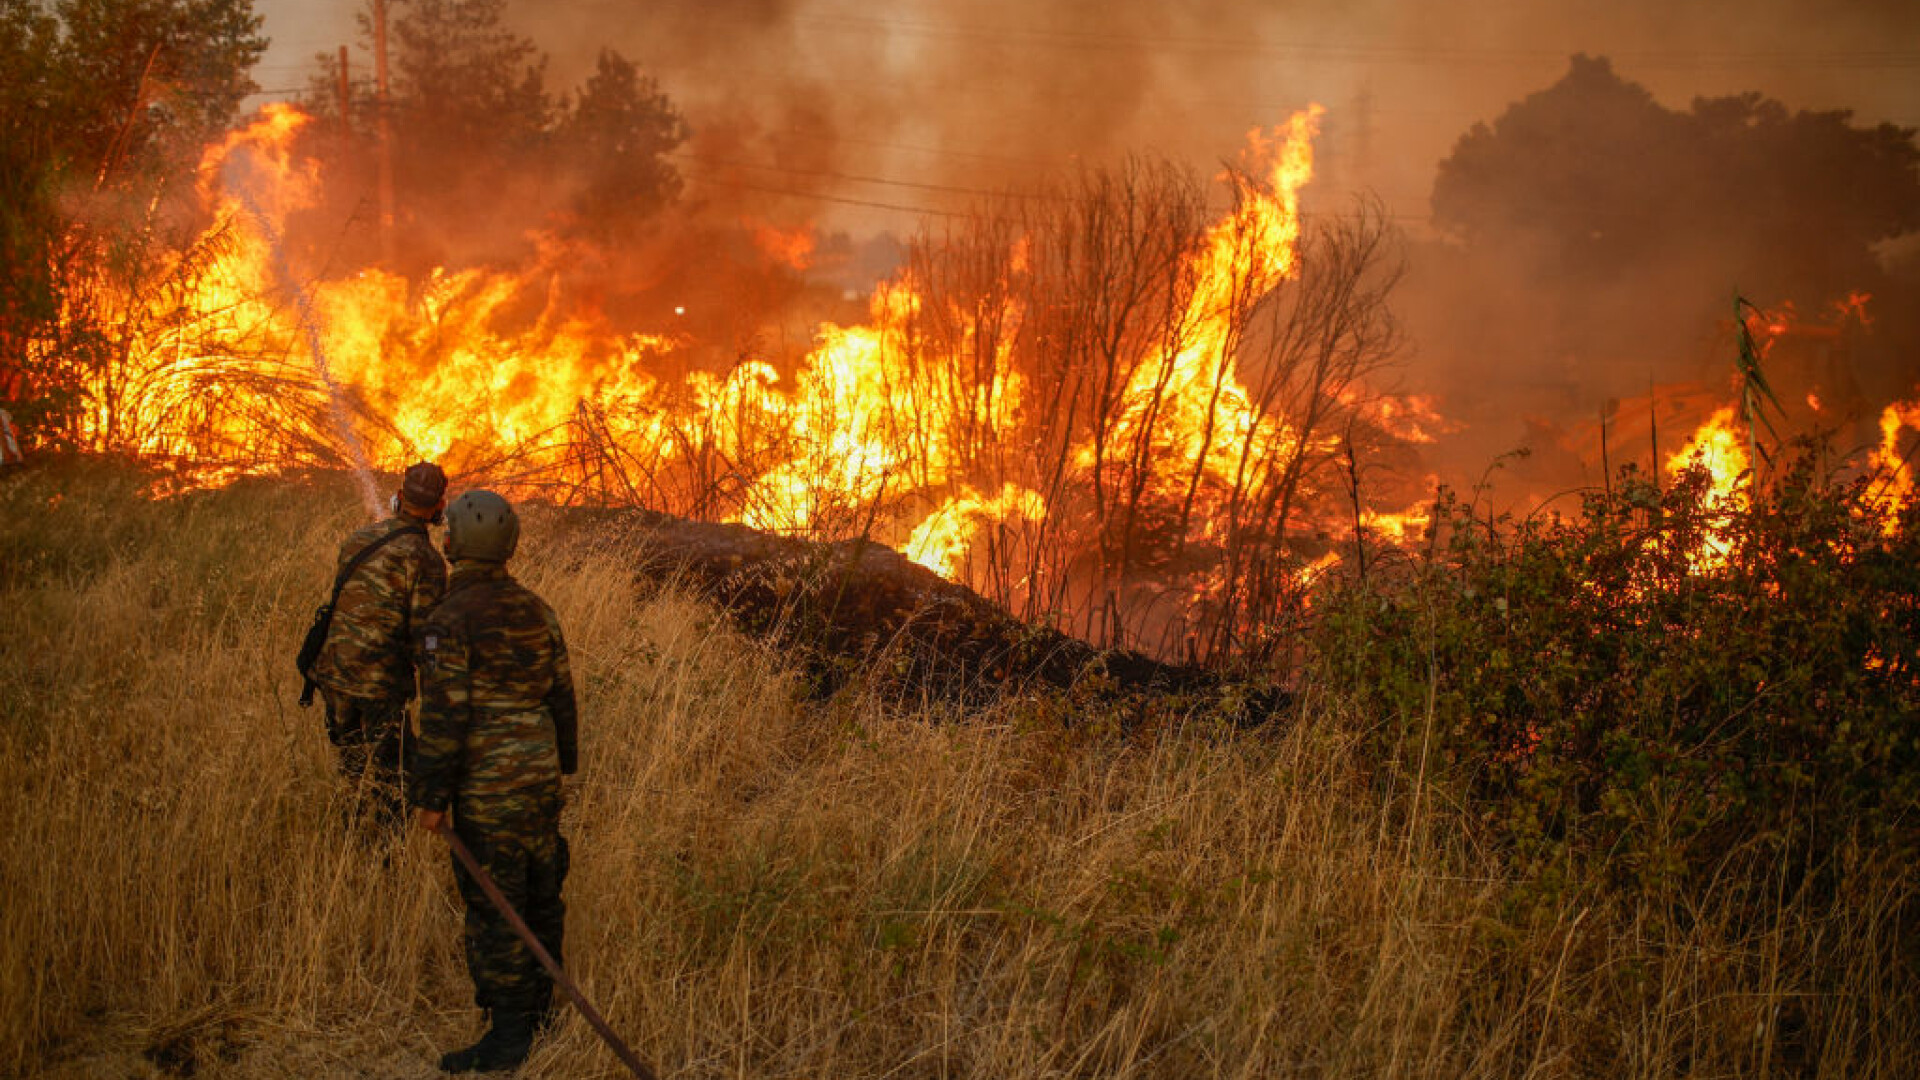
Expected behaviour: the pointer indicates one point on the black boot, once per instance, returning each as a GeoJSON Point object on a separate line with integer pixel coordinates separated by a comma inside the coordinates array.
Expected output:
{"type": "Point", "coordinates": [505, 1046]}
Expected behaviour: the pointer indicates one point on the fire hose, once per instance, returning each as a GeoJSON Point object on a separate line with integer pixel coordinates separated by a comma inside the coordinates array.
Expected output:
{"type": "Point", "coordinates": [540, 952]}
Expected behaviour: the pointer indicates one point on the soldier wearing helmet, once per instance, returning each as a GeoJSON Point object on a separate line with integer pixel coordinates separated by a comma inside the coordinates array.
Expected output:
{"type": "Point", "coordinates": [497, 731]}
{"type": "Point", "coordinates": [389, 578]}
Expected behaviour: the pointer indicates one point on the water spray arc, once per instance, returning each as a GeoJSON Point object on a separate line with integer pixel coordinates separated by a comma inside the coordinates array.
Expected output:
{"type": "Point", "coordinates": [238, 166]}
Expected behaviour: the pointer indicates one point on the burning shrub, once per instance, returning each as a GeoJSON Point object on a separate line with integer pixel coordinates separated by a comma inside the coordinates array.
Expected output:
{"type": "Point", "coordinates": [1612, 703]}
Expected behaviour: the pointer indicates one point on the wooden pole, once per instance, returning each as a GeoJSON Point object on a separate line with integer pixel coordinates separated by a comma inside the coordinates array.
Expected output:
{"type": "Point", "coordinates": [1653, 430]}
{"type": "Point", "coordinates": [346, 99]}
{"type": "Point", "coordinates": [1606, 462]}
{"type": "Point", "coordinates": [385, 128]}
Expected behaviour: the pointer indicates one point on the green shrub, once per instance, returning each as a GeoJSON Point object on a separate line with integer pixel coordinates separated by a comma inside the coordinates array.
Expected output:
{"type": "Point", "coordinates": [1663, 689]}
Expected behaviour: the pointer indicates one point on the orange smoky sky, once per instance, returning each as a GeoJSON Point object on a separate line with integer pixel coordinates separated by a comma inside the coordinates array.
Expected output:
{"type": "Point", "coordinates": [879, 115]}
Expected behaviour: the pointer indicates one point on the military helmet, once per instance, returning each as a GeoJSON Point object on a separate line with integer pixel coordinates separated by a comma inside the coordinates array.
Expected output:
{"type": "Point", "coordinates": [482, 526]}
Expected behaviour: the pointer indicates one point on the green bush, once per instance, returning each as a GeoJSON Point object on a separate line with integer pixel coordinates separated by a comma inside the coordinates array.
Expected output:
{"type": "Point", "coordinates": [1660, 691]}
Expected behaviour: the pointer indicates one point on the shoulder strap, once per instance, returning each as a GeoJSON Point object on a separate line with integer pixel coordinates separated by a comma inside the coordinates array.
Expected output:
{"type": "Point", "coordinates": [365, 553]}
{"type": "Point", "coordinates": [323, 618]}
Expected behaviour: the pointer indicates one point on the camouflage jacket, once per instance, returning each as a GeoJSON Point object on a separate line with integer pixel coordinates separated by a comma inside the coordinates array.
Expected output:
{"type": "Point", "coordinates": [369, 650]}
{"type": "Point", "coordinates": [497, 713]}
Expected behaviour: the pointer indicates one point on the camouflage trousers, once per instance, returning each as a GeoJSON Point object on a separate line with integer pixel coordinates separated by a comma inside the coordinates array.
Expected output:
{"type": "Point", "coordinates": [373, 739]}
{"type": "Point", "coordinates": [516, 839]}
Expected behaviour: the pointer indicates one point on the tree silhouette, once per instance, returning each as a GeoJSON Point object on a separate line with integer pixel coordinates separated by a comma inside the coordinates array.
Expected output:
{"type": "Point", "coordinates": [1597, 180]}
{"type": "Point", "coordinates": [1594, 239]}
{"type": "Point", "coordinates": [616, 135]}
{"type": "Point", "coordinates": [467, 88]}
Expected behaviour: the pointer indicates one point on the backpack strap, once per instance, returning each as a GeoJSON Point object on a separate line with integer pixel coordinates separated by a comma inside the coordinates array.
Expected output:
{"type": "Point", "coordinates": [323, 619]}
{"type": "Point", "coordinates": [366, 553]}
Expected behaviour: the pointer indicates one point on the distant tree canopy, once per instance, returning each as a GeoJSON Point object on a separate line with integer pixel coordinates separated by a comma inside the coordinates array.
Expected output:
{"type": "Point", "coordinates": [1596, 176]}
{"type": "Point", "coordinates": [117, 90]}
{"type": "Point", "coordinates": [1593, 240]}
{"type": "Point", "coordinates": [146, 82]}
{"type": "Point", "coordinates": [619, 129]}
{"type": "Point", "coordinates": [104, 107]}
{"type": "Point", "coordinates": [461, 79]}
{"type": "Point", "coordinates": [113, 94]}
{"type": "Point", "coordinates": [28, 168]}
{"type": "Point", "coordinates": [483, 150]}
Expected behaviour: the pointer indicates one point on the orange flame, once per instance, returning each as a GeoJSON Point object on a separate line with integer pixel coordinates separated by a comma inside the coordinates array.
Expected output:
{"type": "Point", "coordinates": [492, 374]}
{"type": "Point", "coordinates": [1189, 400]}
{"type": "Point", "coordinates": [943, 541]}
{"type": "Point", "coordinates": [1719, 445]}
{"type": "Point", "coordinates": [792, 248]}
{"type": "Point", "coordinates": [1898, 486]}
{"type": "Point", "coordinates": [1402, 528]}
{"type": "Point", "coordinates": [1411, 418]}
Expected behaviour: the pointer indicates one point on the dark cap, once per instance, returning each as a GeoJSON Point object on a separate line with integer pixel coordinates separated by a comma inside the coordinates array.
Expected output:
{"type": "Point", "coordinates": [423, 485]}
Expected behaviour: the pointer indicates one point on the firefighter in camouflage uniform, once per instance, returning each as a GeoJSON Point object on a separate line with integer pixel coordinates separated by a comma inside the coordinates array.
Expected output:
{"type": "Point", "coordinates": [365, 669]}
{"type": "Point", "coordinates": [497, 731]}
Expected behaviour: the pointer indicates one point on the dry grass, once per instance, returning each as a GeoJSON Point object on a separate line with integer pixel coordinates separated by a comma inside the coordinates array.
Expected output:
{"type": "Point", "coordinates": [768, 887]}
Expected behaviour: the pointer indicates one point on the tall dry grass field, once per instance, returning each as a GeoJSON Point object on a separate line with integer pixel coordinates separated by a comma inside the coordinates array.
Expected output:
{"type": "Point", "coordinates": [766, 886]}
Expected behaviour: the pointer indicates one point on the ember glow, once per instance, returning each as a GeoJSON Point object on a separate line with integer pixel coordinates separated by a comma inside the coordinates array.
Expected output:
{"type": "Point", "coordinates": [788, 247]}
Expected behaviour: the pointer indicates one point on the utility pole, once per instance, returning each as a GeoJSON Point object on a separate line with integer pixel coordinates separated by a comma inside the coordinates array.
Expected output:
{"type": "Point", "coordinates": [346, 101]}
{"type": "Point", "coordinates": [1363, 136]}
{"type": "Point", "coordinates": [385, 129]}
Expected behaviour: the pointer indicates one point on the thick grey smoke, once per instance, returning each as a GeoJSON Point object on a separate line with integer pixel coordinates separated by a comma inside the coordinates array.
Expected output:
{"type": "Point", "coordinates": [834, 97]}
{"type": "Point", "coordinates": [896, 105]}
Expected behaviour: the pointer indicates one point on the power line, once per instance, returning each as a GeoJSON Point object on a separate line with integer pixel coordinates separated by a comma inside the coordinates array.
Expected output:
{"type": "Point", "coordinates": [928, 211]}
{"type": "Point", "coordinates": [828, 174]}
{"type": "Point", "coordinates": [743, 185]}
{"type": "Point", "coordinates": [1422, 55]}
